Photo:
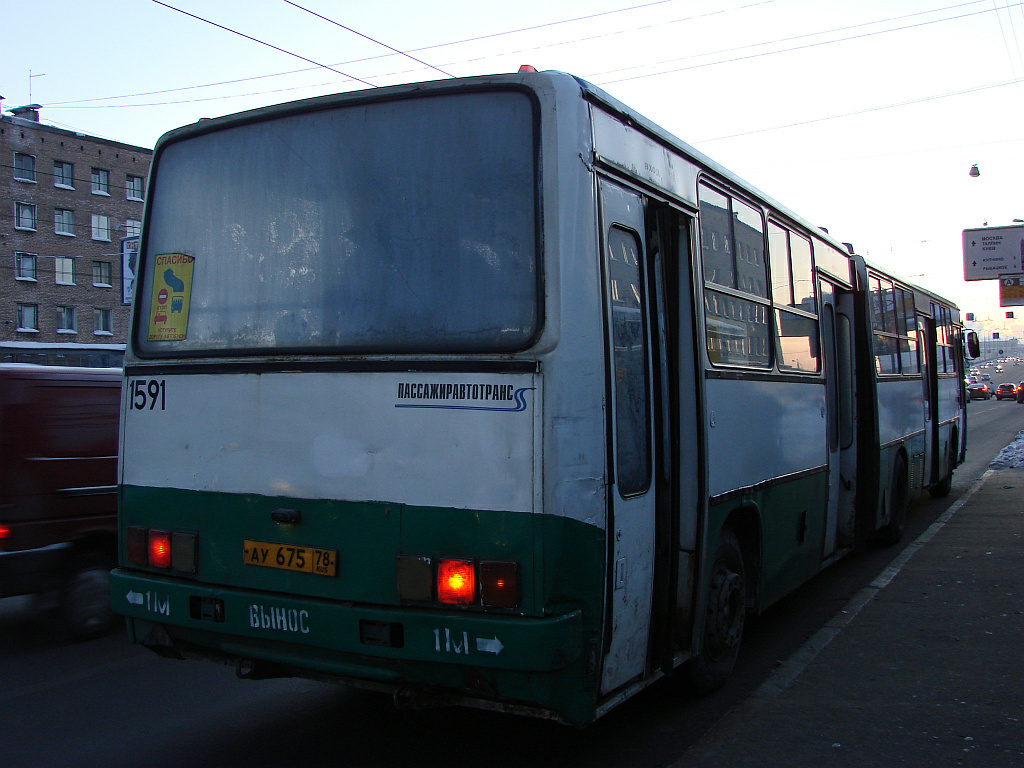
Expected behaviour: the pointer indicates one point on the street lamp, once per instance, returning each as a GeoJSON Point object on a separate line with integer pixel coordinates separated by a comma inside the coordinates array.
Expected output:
{"type": "Point", "coordinates": [974, 172]}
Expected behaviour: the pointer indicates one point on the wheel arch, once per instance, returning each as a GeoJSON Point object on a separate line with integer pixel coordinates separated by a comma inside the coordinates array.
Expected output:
{"type": "Point", "coordinates": [745, 521]}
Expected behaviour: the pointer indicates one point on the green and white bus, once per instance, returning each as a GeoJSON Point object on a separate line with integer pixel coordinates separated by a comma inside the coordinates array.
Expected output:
{"type": "Point", "coordinates": [490, 391]}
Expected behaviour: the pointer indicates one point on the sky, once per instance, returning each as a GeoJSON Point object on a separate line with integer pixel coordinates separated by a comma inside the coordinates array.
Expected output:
{"type": "Point", "coordinates": [863, 116]}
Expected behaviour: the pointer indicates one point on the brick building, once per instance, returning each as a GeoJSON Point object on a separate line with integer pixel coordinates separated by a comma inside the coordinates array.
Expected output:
{"type": "Point", "coordinates": [66, 202]}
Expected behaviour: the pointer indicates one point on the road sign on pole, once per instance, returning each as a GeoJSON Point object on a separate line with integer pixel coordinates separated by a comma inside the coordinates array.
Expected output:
{"type": "Point", "coordinates": [1011, 291]}
{"type": "Point", "coordinates": [993, 251]}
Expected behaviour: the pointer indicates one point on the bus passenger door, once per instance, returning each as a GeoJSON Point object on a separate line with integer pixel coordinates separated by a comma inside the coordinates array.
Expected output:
{"type": "Point", "coordinates": [926, 342]}
{"type": "Point", "coordinates": [840, 395]}
{"type": "Point", "coordinates": [631, 495]}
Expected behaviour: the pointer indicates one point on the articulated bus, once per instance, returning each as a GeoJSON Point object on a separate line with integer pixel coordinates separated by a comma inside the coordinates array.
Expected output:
{"type": "Point", "coordinates": [489, 391]}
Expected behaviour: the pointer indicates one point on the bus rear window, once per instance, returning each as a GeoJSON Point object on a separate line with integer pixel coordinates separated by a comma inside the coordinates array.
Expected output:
{"type": "Point", "coordinates": [404, 226]}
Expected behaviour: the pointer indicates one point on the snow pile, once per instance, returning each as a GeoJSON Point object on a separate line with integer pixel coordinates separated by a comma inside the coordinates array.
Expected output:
{"type": "Point", "coordinates": [1011, 456]}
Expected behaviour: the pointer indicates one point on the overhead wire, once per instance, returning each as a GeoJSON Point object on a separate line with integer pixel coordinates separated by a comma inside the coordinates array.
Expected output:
{"type": "Point", "coordinates": [866, 110]}
{"type": "Point", "coordinates": [263, 42]}
{"type": "Point", "coordinates": [595, 76]}
{"type": "Point", "coordinates": [705, 64]}
{"type": "Point", "coordinates": [367, 37]}
{"type": "Point", "coordinates": [1013, 52]}
{"type": "Point", "coordinates": [504, 33]}
{"type": "Point", "coordinates": [805, 46]}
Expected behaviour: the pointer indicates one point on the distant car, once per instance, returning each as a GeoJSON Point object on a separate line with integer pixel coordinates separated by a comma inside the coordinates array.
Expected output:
{"type": "Point", "coordinates": [1007, 390]}
{"type": "Point", "coordinates": [980, 391]}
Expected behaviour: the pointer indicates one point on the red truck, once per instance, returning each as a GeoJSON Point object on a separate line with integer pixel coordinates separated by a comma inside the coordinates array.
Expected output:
{"type": "Point", "coordinates": [58, 488]}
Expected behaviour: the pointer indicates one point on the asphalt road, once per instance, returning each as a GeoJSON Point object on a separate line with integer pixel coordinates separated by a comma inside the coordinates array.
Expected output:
{"type": "Point", "coordinates": [106, 703]}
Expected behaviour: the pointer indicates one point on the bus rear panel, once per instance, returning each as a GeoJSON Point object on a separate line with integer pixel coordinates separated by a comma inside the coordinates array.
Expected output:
{"type": "Point", "coordinates": [331, 458]}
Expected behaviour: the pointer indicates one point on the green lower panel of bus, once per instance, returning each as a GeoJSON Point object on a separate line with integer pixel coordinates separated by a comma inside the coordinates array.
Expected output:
{"type": "Point", "coordinates": [560, 561]}
{"type": "Point", "coordinates": [789, 520]}
{"type": "Point", "coordinates": [352, 619]}
{"type": "Point", "coordinates": [535, 662]}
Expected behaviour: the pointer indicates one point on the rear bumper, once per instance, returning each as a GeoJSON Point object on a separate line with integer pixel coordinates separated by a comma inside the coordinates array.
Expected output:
{"type": "Point", "coordinates": [539, 666]}
{"type": "Point", "coordinates": [248, 618]}
{"type": "Point", "coordinates": [31, 570]}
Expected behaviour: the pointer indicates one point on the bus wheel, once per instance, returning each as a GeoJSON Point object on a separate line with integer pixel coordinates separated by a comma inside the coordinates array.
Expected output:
{"type": "Point", "coordinates": [942, 488]}
{"type": "Point", "coordinates": [86, 597]}
{"type": "Point", "coordinates": [892, 532]}
{"type": "Point", "coordinates": [723, 620]}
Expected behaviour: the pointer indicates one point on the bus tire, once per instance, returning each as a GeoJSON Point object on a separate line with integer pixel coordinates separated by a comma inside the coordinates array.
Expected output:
{"type": "Point", "coordinates": [899, 500]}
{"type": "Point", "coordinates": [85, 600]}
{"type": "Point", "coordinates": [943, 488]}
{"type": "Point", "coordinates": [723, 619]}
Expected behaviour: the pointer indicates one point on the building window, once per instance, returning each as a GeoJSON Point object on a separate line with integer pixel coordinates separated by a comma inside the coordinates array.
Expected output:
{"type": "Point", "coordinates": [132, 228]}
{"type": "Point", "coordinates": [66, 320]}
{"type": "Point", "coordinates": [100, 181]}
{"type": "Point", "coordinates": [101, 273]}
{"type": "Point", "coordinates": [24, 167]}
{"type": "Point", "coordinates": [25, 266]}
{"type": "Point", "coordinates": [64, 221]}
{"type": "Point", "coordinates": [24, 216]}
{"type": "Point", "coordinates": [102, 321]}
{"type": "Point", "coordinates": [28, 317]}
{"type": "Point", "coordinates": [133, 187]}
{"type": "Point", "coordinates": [64, 270]}
{"type": "Point", "coordinates": [100, 227]}
{"type": "Point", "coordinates": [63, 174]}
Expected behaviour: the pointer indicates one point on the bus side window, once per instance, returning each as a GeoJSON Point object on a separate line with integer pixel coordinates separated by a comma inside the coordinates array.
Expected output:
{"type": "Point", "coordinates": [629, 361]}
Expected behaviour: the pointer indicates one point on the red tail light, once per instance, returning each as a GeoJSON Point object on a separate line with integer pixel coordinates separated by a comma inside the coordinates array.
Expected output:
{"type": "Point", "coordinates": [175, 550]}
{"type": "Point", "coordinates": [160, 549]}
{"type": "Point", "coordinates": [456, 582]}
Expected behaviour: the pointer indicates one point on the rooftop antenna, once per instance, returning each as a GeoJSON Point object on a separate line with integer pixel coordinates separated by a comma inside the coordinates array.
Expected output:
{"type": "Point", "coordinates": [30, 76]}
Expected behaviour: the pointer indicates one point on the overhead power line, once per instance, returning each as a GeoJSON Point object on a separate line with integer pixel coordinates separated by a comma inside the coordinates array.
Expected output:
{"type": "Point", "coordinates": [76, 104]}
{"type": "Point", "coordinates": [367, 37]}
{"type": "Point", "coordinates": [866, 110]}
{"type": "Point", "coordinates": [596, 76]}
{"type": "Point", "coordinates": [804, 46]}
{"type": "Point", "coordinates": [268, 45]}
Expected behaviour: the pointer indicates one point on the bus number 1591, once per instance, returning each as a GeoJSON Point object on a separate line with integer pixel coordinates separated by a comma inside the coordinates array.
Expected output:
{"type": "Point", "coordinates": [147, 394]}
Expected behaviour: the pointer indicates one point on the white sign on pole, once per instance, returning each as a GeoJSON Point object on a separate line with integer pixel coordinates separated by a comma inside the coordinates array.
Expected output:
{"type": "Point", "coordinates": [993, 251]}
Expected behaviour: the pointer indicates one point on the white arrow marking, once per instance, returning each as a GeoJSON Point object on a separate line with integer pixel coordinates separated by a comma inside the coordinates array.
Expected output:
{"type": "Point", "coordinates": [135, 598]}
{"type": "Point", "coordinates": [489, 645]}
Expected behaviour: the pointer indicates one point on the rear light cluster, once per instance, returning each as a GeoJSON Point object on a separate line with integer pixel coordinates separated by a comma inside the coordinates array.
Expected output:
{"type": "Point", "coordinates": [167, 550]}
{"type": "Point", "coordinates": [5, 533]}
{"type": "Point", "coordinates": [455, 581]}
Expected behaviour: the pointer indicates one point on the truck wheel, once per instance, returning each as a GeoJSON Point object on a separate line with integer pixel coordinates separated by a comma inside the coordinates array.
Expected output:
{"type": "Point", "coordinates": [723, 618]}
{"type": "Point", "coordinates": [86, 597]}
